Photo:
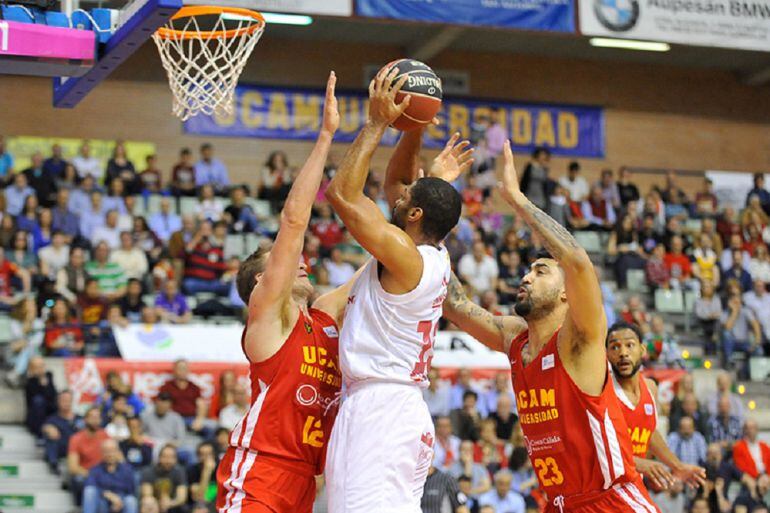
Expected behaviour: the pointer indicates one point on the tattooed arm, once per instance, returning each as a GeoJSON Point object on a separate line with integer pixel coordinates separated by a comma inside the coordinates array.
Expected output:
{"type": "Point", "coordinates": [494, 331]}
{"type": "Point", "coordinates": [586, 322]}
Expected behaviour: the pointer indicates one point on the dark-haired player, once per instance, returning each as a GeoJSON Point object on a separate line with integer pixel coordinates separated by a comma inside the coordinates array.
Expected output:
{"type": "Point", "coordinates": [382, 443]}
{"type": "Point", "coordinates": [637, 396]}
{"type": "Point", "coordinates": [279, 446]}
{"type": "Point", "coordinates": [576, 435]}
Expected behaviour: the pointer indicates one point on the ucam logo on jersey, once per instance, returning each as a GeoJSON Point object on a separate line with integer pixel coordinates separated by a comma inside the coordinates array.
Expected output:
{"type": "Point", "coordinates": [548, 362]}
{"type": "Point", "coordinates": [648, 410]}
{"type": "Point", "coordinates": [742, 24]}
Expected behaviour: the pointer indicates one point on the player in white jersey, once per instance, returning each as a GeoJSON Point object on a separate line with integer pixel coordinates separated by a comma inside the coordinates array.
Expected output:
{"type": "Point", "coordinates": [382, 443]}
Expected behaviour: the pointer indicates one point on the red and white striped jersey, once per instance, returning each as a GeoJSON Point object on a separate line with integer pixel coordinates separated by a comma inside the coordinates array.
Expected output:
{"type": "Point", "coordinates": [294, 395]}
{"type": "Point", "coordinates": [642, 419]}
{"type": "Point", "coordinates": [578, 444]}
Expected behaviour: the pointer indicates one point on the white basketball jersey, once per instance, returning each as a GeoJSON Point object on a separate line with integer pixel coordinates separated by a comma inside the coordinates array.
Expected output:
{"type": "Point", "coordinates": [387, 337]}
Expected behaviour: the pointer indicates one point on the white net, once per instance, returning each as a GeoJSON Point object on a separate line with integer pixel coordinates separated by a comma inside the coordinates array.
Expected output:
{"type": "Point", "coordinates": [203, 65]}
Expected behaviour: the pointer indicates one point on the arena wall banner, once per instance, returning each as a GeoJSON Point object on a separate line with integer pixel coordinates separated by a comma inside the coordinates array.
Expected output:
{"type": "Point", "coordinates": [551, 15]}
{"type": "Point", "coordinates": [221, 344]}
{"type": "Point", "coordinates": [284, 113]}
{"type": "Point", "coordinates": [742, 24]}
{"type": "Point", "coordinates": [86, 376]}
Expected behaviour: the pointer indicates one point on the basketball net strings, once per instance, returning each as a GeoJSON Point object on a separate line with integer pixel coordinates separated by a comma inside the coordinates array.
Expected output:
{"type": "Point", "coordinates": [203, 71]}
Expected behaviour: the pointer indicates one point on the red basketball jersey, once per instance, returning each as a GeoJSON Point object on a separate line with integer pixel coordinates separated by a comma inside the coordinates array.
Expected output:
{"type": "Point", "coordinates": [578, 444]}
{"type": "Point", "coordinates": [294, 395]}
{"type": "Point", "coordinates": [641, 419]}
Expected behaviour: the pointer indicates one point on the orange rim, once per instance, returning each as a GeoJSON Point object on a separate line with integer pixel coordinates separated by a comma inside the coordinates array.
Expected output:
{"type": "Point", "coordinates": [206, 10]}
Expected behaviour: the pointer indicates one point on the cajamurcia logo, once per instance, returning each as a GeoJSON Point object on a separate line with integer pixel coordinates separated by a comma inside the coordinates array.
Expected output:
{"type": "Point", "coordinates": [617, 15]}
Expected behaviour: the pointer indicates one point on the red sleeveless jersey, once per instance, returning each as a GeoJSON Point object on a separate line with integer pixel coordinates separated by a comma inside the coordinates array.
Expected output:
{"type": "Point", "coordinates": [578, 444]}
{"type": "Point", "coordinates": [641, 419]}
{"type": "Point", "coordinates": [294, 395]}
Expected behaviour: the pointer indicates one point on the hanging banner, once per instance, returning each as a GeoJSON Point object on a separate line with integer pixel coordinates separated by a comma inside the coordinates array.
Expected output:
{"type": "Point", "coordinates": [282, 113]}
{"type": "Point", "coordinates": [550, 15]}
{"type": "Point", "coordinates": [22, 147]}
{"type": "Point", "coordinates": [742, 24]}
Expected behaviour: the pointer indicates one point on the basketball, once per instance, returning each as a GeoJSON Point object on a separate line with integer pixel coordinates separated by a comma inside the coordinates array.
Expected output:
{"type": "Point", "coordinates": [426, 91]}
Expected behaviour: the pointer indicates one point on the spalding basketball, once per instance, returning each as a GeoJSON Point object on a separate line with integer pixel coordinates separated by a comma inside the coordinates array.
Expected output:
{"type": "Point", "coordinates": [424, 87]}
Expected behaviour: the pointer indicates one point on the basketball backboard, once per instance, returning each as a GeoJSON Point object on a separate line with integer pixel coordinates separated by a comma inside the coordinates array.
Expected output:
{"type": "Point", "coordinates": [63, 45]}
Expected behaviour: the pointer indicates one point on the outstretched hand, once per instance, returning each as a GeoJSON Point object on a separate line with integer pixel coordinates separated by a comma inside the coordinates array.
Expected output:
{"type": "Point", "coordinates": [692, 475]}
{"type": "Point", "coordinates": [454, 160]}
{"type": "Point", "coordinates": [509, 185]}
{"type": "Point", "coordinates": [383, 109]}
{"type": "Point", "coordinates": [331, 120]}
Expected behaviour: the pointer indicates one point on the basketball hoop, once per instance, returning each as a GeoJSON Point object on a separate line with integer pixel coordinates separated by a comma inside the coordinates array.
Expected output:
{"type": "Point", "coordinates": [204, 50]}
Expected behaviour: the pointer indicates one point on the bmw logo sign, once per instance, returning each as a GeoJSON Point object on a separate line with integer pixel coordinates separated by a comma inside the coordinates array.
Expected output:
{"type": "Point", "coordinates": [617, 15]}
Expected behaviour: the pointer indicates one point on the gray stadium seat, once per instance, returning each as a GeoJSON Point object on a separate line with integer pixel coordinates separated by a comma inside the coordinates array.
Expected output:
{"type": "Point", "coordinates": [591, 241]}
{"type": "Point", "coordinates": [188, 205]}
{"type": "Point", "coordinates": [636, 280]}
{"type": "Point", "coordinates": [669, 301]}
{"type": "Point", "coordinates": [234, 246]}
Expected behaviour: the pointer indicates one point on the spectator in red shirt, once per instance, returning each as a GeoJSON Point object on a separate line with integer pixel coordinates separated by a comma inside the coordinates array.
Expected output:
{"type": "Point", "coordinates": [63, 336]}
{"type": "Point", "coordinates": [8, 271]}
{"type": "Point", "coordinates": [706, 201]}
{"type": "Point", "coordinates": [91, 305]}
{"type": "Point", "coordinates": [186, 397]}
{"type": "Point", "coordinates": [183, 175]}
{"type": "Point", "coordinates": [751, 456]}
{"type": "Point", "coordinates": [85, 450]}
{"type": "Point", "coordinates": [728, 225]}
{"type": "Point", "coordinates": [657, 272]}
{"type": "Point", "coordinates": [327, 229]}
{"type": "Point", "coordinates": [489, 450]}
{"type": "Point", "coordinates": [634, 312]}
{"type": "Point", "coordinates": [205, 263]}
{"type": "Point", "coordinates": [473, 198]}
{"type": "Point", "coordinates": [677, 263]}
{"type": "Point", "coordinates": [150, 179]}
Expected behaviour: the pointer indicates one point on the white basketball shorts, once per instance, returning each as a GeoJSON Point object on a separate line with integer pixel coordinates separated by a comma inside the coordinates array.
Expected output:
{"type": "Point", "coordinates": [380, 450]}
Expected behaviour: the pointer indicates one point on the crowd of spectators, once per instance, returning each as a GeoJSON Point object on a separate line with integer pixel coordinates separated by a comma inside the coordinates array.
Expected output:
{"type": "Point", "coordinates": [86, 247]}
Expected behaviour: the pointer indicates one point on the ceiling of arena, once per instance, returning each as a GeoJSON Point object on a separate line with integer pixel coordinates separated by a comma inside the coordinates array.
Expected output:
{"type": "Point", "coordinates": [483, 39]}
{"type": "Point", "coordinates": [751, 67]}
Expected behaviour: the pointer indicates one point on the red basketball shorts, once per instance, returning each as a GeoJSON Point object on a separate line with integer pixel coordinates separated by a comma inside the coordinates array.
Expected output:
{"type": "Point", "coordinates": [251, 483]}
{"type": "Point", "coordinates": [621, 498]}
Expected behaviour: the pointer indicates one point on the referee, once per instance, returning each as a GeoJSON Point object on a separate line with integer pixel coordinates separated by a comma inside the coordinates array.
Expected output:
{"type": "Point", "coordinates": [442, 495]}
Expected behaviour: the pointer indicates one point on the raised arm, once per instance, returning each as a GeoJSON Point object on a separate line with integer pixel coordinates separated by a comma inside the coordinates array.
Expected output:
{"type": "Point", "coordinates": [494, 331]}
{"type": "Point", "coordinates": [586, 320]}
{"type": "Point", "coordinates": [389, 245]}
{"type": "Point", "coordinates": [404, 165]}
{"type": "Point", "coordinates": [272, 294]}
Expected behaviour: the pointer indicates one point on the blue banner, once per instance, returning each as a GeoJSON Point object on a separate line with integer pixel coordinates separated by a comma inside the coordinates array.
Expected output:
{"type": "Point", "coordinates": [284, 113]}
{"type": "Point", "coordinates": [551, 15]}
